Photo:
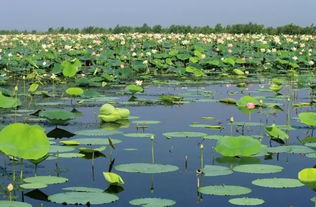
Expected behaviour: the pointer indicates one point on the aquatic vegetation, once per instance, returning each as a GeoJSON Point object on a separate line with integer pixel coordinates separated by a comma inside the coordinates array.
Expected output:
{"type": "Point", "coordinates": [308, 118]}
{"type": "Point", "coordinates": [24, 141]}
{"type": "Point", "coordinates": [109, 113]}
{"type": "Point", "coordinates": [58, 117]}
{"type": "Point", "coordinates": [224, 190]}
{"type": "Point", "coordinates": [245, 201]}
{"type": "Point", "coordinates": [9, 102]}
{"type": "Point", "coordinates": [276, 133]}
{"type": "Point", "coordinates": [113, 178]}
{"type": "Point", "coordinates": [277, 182]}
{"type": "Point", "coordinates": [147, 202]}
{"type": "Point", "coordinates": [308, 177]}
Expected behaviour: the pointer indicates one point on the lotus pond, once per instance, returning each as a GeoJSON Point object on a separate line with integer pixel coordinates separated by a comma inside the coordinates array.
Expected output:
{"type": "Point", "coordinates": [197, 129]}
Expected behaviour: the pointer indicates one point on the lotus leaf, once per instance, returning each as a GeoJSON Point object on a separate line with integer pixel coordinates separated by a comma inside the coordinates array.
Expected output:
{"type": "Point", "coordinates": [308, 118]}
{"type": "Point", "coordinates": [93, 198]}
{"type": "Point", "coordinates": [146, 168]}
{"type": "Point", "coordinates": [74, 91]}
{"type": "Point", "coordinates": [57, 116]}
{"type": "Point", "coordinates": [245, 201]}
{"type": "Point", "coordinates": [258, 168]}
{"type": "Point", "coordinates": [275, 132]}
{"type": "Point", "coordinates": [238, 146]}
{"type": "Point", "coordinates": [14, 204]}
{"type": "Point", "coordinates": [152, 202]}
{"type": "Point", "coordinates": [24, 141]}
{"type": "Point", "coordinates": [8, 102]}
{"type": "Point", "coordinates": [134, 88]}
{"type": "Point", "coordinates": [277, 182]}
{"type": "Point", "coordinates": [224, 190]}
{"type": "Point", "coordinates": [113, 178]}
{"type": "Point", "coordinates": [308, 177]}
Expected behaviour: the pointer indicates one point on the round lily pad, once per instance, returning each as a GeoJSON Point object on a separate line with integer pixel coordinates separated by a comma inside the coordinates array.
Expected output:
{"type": "Point", "coordinates": [296, 149]}
{"type": "Point", "coordinates": [278, 183]}
{"type": "Point", "coordinates": [33, 185]}
{"type": "Point", "coordinates": [152, 202]}
{"type": "Point", "coordinates": [45, 180]}
{"type": "Point", "coordinates": [146, 168]}
{"type": "Point", "coordinates": [258, 168]}
{"type": "Point", "coordinates": [245, 201]}
{"type": "Point", "coordinates": [184, 134]}
{"type": "Point", "coordinates": [70, 155]}
{"type": "Point", "coordinates": [146, 122]}
{"type": "Point", "coordinates": [57, 148]}
{"type": "Point", "coordinates": [14, 204]}
{"type": "Point", "coordinates": [93, 198]}
{"type": "Point", "coordinates": [216, 170]}
{"type": "Point", "coordinates": [224, 190]}
{"type": "Point", "coordinates": [139, 135]}
{"type": "Point", "coordinates": [84, 189]}
{"type": "Point", "coordinates": [96, 141]}
{"type": "Point", "coordinates": [97, 132]}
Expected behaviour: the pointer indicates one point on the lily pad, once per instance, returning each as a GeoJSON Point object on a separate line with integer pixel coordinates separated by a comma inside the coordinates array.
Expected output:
{"type": "Point", "coordinates": [96, 141]}
{"type": "Point", "coordinates": [93, 198]}
{"type": "Point", "coordinates": [258, 168]}
{"type": "Point", "coordinates": [245, 201]}
{"type": "Point", "coordinates": [14, 204]}
{"type": "Point", "coordinates": [216, 170]}
{"type": "Point", "coordinates": [238, 146]}
{"type": "Point", "coordinates": [97, 132]}
{"type": "Point", "coordinates": [33, 185]}
{"type": "Point", "coordinates": [146, 168]}
{"type": "Point", "coordinates": [8, 102]}
{"type": "Point", "coordinates": [74, 91]}
{"type": "Point", "coordinates": [84, 189]}
{"type": "Point", "coordinates": [57, 116]}
{"type": "Point", "coordinates": [70, 155]}
{"type": "Point", "coordinates": [45, 180]}
{"type": "Point", "coordinates": [224, 190]}
{"type": "Point", "coordinates": [184, 134]}
{"type": "Point", "coordinates": [57, 148]}
{"type": "Point", "coordinates": [152, 202]}
{"type": "Point", "coordinates": [295, 149]}
{"type": "Point", "coordinates": [139, 135]}
{"type": "Point", "coordinates": [308, 118]}
{"type": "Point", "coordinates": [278, 182]}
{"type": "Point", "coordinates": [146, 122]}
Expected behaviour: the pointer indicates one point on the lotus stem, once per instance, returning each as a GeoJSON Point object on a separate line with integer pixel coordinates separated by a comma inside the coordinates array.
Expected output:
{"type": "Point", "coordinates": [152, 152]}
{"type": "Point", "coordinates": [21, 169]}
{"type": "Point", "coordinates": [202, 156]}
{"type": "Point", "coordinates": [186, 162]}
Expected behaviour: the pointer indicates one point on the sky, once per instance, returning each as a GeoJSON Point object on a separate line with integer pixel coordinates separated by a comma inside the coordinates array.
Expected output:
{"type": "Point", "coordinates": [42, 14]}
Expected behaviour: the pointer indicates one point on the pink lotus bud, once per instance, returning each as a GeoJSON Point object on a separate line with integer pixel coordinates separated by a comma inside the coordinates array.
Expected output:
{"type": "Point", "coordinates": [251, 105]}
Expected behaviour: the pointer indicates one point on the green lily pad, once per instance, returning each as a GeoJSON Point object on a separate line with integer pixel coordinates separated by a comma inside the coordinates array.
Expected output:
{"type": "Point", "coordinates": [238, 146]}
{"type": "Point", "coordinates": [97, 132]}
{"type": "Point", "coordinates": [57, 116]}
{"type": "Point", "coordinates": [224, 190]}
{"type": "Point", "coordinates": [134, 88]}
{"type": "Point", "coordinates": [83, 198]}
{"type": "Point", "coordinates": [152, 202]}
{"type": "Point", "coordinates": [70, 155]}
{"type": "Point", "coordinates": [24, 141]}
{"type": "Point", "coordinates": [57, 148]}
{"type": "Point", "coordinates": [245, 201]}
{"type": "Point", "coordinates": [74, 91]}
{"type": "Point", "coordinates": [146, 122]}
{"type": "Point", "coordinates": [8, 102]}
{"type": "Point", "coordinates": [216, 170]}
{"type": "Point", "coordinates": [184, 134]}
{"type": "Point", "coordinates": [276, 133]}
{"type": "Point", "coordinates": [139, 135]}
{"type": "Point", "coordinates": [14, 204]}
{"type": "Point", "coordinates": [308, 118]}
{"type": "Point", "coordinates": [96, 141]}
{"type": "Point", "coordinates": [295, 149]}
{"type": "Point", "coordinates": [258, 168]}
{"type": "Point", "coordinates": [84, 189]}
{"type": "Point", "coordinates": [45, 180]}
{"type": "Point", "coordinates": [278, 182]}
{"type": "Point", "coordinates": [33, 185]}
{"type": "Point", "coordinates": [146, 168]}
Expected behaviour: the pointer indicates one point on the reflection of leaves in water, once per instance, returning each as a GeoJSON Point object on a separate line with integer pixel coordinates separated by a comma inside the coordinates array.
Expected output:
{"type": "Point", "coordinates": [37, 195]}
{"type": "Point", "coordinates": [114, 189]}
{"type": "Point", "coordinates": [59, 133]}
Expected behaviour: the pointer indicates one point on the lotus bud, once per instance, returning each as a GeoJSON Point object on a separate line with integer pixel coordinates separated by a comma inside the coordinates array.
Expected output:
{"type": "Point", "coordinates": [16, 88]}
{"type": "Point", "coordinates": [152, 137]}
{"type": "Point", "coordinates": [231, 119]}
{"type": "Point", "coordinates": [201, 146]}
{"type": "Point", "coordinates": [10, 187]}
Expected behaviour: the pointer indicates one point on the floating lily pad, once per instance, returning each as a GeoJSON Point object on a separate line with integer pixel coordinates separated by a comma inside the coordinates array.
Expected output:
{"type": "Point", "coordinates": [184, 134]}
{"type": "Point", "coordinates": [146, 168]}
{"type": "Point", "coordinates": [57, 116]}
{"type": "Point", "coordinates": [216, 170]}
{"type": "Point", "coordinates": [57, 148]}
{"type": "Point", "coordinates": [14, 204]}
{"type": "Point", "coordinates": [33, 185]}
{"type": "Point", "coordinates": [75, 91]}
{"type": "Point", "coordinates": [97, 132]}
{"type": "Point", "coordinates": [224, 190]}
{"type": "Point", "coordinates": [70, 155]}
{"type": "Point", "coordinates": [84, 189]}
{"type": "Point", "coordinates": [258, 168]}
{"type": "Point", "coordinates": [295, 149]}
{"type": "Point", "coordinates": [96, 141]}
{"type": "Point", "coordinates": [8, 102]}
{"type": "Point", "coordinates": [69, 143]}
{"type": "Point", "coordinates": [245, 201]}
{"type": "Point", "coordinates": [139, 135]}
{"type": "Point", "coordinates": [93, 198]}
{"type": "Point", "coordinates": [308, 118]}
{"type": "Point", "coordinates": [146, 122]}
{"type": "Point", "coordinates": [248, 124]}
{"type": "Point", "coordinates": [152, 202]}
{"type": "Point", "coordinates": [278, 183]}
{"type": "Point", "coordinates": [45, 180]}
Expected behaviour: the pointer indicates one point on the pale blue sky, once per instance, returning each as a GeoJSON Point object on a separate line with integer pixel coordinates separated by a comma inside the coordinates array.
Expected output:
{"type": "Point", "coordinates": [42, 14]}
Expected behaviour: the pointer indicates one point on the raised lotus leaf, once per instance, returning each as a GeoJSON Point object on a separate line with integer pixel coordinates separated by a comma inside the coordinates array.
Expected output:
{"type": "Point", "coordinates": [113, 178]}
{"type": "Point", "coordinates": [74, 91]}
{"type": "Point", "coordinates": [24, 141]}
{"type": "Point", "coordinates": [275, 132]}
{"type": "Point", "coordinates": [308, 177]}
{"type": "Point", "coordinates": [238, 146]}
{"type": "Point", "coordinates": [8, 102]}
{"type": "Point", "coordinates": [57, 116]}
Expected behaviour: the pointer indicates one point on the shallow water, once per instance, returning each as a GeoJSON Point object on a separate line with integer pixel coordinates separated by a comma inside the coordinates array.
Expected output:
{"type": "Point", "coordinates": [181, 185]}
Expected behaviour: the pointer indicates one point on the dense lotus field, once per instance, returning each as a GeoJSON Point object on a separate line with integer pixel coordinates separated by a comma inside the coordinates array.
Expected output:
{"type": "Point", "coordinates": [157, 120]}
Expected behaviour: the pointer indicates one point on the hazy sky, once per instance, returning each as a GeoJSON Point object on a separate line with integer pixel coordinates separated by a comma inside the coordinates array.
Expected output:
{"type": "Point", "coordinates": [42, 14]}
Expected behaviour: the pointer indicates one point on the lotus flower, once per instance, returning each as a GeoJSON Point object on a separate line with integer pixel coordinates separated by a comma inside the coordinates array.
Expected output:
{"type": "Point", "coordinates": [251, 106]}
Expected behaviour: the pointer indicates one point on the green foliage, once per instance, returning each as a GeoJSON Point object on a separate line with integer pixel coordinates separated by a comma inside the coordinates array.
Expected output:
{"type": "Point", "coordinates": [57, 116]}
{"type": "Point", "coordinates": [109, 113]}
{"type": "Point", "coordinates": [152, 202]}
{"type": "Point", "coordinates": [275, 132]}
{"type": "Point", "coordinates": [308, 177]}
{"type": "Point", "coordinates": [238, 146]}
{"type": "Point", "coordinates": [113, 178]}
{"type": "Point", "coordinates": [146, 168]}
{"type": "Point", "coordinates": [224, 190]}
{"type": "Point", "coordinates": [134, 88]}
{"type": "Point", "coordinates": [24, 141]}
{"type": "Point", "coordinates": [74, 91]}
{"type": "Point", "coordinates": [70, 68]}
{"type": "Point", "coordinates": [8, 102]}
{"type": "Point", "coordinates": [308, 118]}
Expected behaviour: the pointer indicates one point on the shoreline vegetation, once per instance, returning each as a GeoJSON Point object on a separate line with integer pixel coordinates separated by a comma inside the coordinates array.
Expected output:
{"type": "Point", "coordinates": [249, 28]}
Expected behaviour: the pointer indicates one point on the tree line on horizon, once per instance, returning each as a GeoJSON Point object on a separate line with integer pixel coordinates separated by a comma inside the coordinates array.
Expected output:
{"type": "Point", "coordinates": [249, 28]}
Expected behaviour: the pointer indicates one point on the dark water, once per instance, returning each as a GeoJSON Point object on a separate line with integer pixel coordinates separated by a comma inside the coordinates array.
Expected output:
{"type": "Point", "coordinates": [181, 185]}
